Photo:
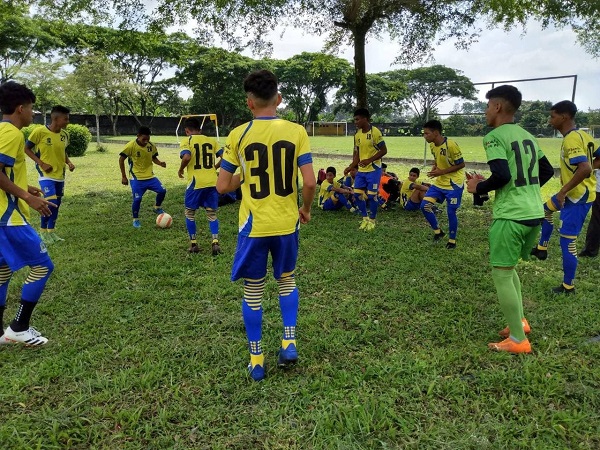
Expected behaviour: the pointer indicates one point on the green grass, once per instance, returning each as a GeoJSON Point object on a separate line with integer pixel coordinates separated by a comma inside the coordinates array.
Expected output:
{"type": "Point", "coordinates": [147, 347]}
{"type": "Point", "coordinates": [398, 147]}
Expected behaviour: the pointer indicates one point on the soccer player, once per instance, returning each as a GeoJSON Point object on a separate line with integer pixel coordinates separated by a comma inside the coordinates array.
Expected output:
{"type": "Point", "coordinates": [448, 171]}
{"type": "Point", "coordinates": [592, 237]}
{"type": "Point", "coordinates": [369, 148]}
{"type": "Point", "coordinates": [575, 197]}
{"type": "Point", "coordinates": [20, 245]}
{"type": "Point", "coordinates": [47, 146]}
{"type": "Point", "coordinates": [518, 169]}
{"type": "Point", "coordinates": [332, 196]}
{"type": "Point", "coordinates": [413, 191]}
{"type": "Point", "coordinates": [270, 152]}
{"type": "Point", "coordinates": [140, 154]}
{"type": "Point", "coordinates": [202, 179]}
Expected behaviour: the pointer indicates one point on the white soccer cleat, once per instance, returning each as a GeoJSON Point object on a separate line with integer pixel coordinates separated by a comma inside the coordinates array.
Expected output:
{"type": "Point", "coordinates": [4, 341]}
{"type": "Point", "coordinates": [30, 337]}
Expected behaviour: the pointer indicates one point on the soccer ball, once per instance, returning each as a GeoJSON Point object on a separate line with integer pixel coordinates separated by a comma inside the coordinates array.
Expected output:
{"type": "Point", "coordinates": [164, 220]}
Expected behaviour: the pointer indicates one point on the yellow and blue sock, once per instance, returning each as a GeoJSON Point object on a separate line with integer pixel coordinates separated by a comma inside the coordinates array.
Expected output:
{"type": "Point", "coordinates": [252, 313]}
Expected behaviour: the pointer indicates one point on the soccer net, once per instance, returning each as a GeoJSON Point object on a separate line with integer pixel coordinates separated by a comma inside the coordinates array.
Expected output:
{"type": "Point", "coordinates": [327, 128]}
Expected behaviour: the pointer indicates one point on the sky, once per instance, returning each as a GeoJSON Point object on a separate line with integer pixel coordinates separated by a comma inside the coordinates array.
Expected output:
{"type": "Point", "coordinates": [498, 56]}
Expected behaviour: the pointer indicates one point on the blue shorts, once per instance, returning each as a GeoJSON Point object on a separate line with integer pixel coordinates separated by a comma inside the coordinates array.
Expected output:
{"type": "Point", "coordinates": [409, 205]}
{"type": "Point", "coordinates": [368, 181]}
{"type": "Point", "coordinates": [572, 218]}
{"type": "Point", "coordinates": [21, 246]}
{"type": "Point", "coordinates": [139, 187]}
{"type": "Point", "coordinates": [52, 188]}
{"type": "Point", "coordinates": [453, 197]}
{"type": "Point", "coordinates": [250, 259]}
{"type": "Point", "coordinates": [330, 205]}
{"type": "Point", "coordinates": [204, 197]}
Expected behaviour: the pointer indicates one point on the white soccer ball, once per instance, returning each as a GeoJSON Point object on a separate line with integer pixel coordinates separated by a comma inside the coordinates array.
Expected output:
{"type": "Point", "coordinates": [164, 220]}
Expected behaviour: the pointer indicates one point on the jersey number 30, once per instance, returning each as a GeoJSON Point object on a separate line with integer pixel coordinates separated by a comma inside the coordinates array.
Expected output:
{"type": "Point", "coordinates": [283, 168]}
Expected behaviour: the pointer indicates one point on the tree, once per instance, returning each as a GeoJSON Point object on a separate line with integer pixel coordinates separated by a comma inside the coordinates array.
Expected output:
{"type": "Point", "coordinates": [46, 79]}
{"type": "Point", "coordinates": [306, 79]}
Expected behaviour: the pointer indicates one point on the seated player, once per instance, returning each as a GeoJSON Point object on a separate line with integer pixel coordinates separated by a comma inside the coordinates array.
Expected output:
{"type": "Point", "coordinates": [389, 188]}
{"type": "Point", "coordinates": [413, 191]}
{"type": "Point", "coordinates": [332, 196]}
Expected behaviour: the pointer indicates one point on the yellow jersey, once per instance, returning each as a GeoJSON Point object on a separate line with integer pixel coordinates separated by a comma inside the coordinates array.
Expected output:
{"type": "Point", "coordinates": [13, 210]}
{"type": "Point", "coordinates": [367, 145]}
{"type": "Point", "coordinates": [268, 152]}
{"type": "Point", "coordinates": [50, 147]}
{"type": "Point", "coordinates": [327, 191]}
{"type": "Point", "coordinates": [407, 189]}
{"type": "Point", "coordinates": [446, 155]}
{"type": "Point", "coordinates": [204, 150]}
{"type": "Point", "coordinates": [140, 159]}
{"type": "Point", "coordinates": [578, 146]}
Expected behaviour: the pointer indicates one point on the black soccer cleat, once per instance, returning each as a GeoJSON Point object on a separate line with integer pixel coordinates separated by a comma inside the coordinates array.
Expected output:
{"type": "Point", "coordinates": [439, 236]}
{"type": "Point", "coordinates": [562, 290]}
{"type": "Point", "coordinates": [539, 254]}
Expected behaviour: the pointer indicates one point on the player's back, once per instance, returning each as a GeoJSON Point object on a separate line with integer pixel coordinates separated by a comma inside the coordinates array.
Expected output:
{"type": "Point", "coordinates": [269, 152]}
{"type": "Point", "coordinates": [204, 151]}
{"type": "Point", "coordinates": [520, 198]}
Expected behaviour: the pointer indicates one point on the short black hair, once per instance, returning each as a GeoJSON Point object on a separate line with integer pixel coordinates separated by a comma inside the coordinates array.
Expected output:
{"type": "Point", "coordinates": [262, 84]}
{"type": "Point", "coordinates": [332, 170]}
{"type": "Point", "coordinates": [12, 95]}
{"type": "Point", "coordinates": [434, 125]}
{"type": "Point", "coordinates": [415, 170]}
{"type": "Point", "coordinates": [507, 93]}
{"type": "Point", "coordinates": [60, 109]}
{"type": "Point", "coordinates": [192, 123]}
{"type": "Point", "coordinates": [362, 112]}
{"type": "Point", "coordinates": [565, 107]}
{"type": "Point", "coordinates": [144, 131]}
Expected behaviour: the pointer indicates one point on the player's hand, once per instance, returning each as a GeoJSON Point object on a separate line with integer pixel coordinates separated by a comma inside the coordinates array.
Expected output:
{"type": "Point", "coordinates": [124, 181]}
{"type": "Point", "coordinates": [162, 164]}
{"type": "Point", "coordinates": [71, 167]}
{"type": "Point", "coordinates": [304, 214]}
{"type": "Point", "coordinates": [435, 172]}
{"type": "Point", "coordinates": [560, 198]}
{"type": "Point", "coordinates": [180, 174]}
{"type": "Point", "coordinates": [34, 190]}
{"type": "Point", "coordinates": [472, 185]}
{"type": "Point", "coordinates": [40, 204]}
{"type": "Point", "coordinates": [364, 163]}
{"type": "Point", "coordinates": [347, 170]}
{"type": "Point", "coordinates": [46, 167]}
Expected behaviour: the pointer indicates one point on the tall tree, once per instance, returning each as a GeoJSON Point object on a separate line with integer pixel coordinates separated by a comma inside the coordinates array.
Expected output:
{"type": "Point", "coordinates": [46, 79]}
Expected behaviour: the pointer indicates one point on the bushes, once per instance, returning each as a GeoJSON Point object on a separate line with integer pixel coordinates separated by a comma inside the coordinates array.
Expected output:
{"type": "Point", "coordinates": [79, 136]}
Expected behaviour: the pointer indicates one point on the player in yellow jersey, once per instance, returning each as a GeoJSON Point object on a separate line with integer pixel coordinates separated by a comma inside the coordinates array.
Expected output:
{"type": "Point", "coordinates": [20, 245]}
{"type": "Point", "coordinates": [269, 152]}
{"type": "Point", "coordinates": [332, 195]}
{"type": "Point", "coordinates": [47, 147]}
{"type": "Point", "coordinates": [413, 191]}
{"type": "Point", "coordinates": [448, 171]}
{"type": "Point", "coordinates": [203, 152]}
{"type": "Point", "coordinates": [369, 148]}
{"type": "Point", "coordinates": [140, 154]}
{"type": "Point", "coordinates": [578, 191]}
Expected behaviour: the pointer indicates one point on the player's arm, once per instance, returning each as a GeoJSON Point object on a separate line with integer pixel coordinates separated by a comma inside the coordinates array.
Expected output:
{"type": "Point", "coordinates": [124, 179]}
{"type": "Point", "coordinates": [309, 188]}
{"type": "Point", "coordinates": [186, 157]}
{"type": "Point", "coordinates": [227, 181]}
{"type": "Point", "coordinates": [380, 154]}
{"type": "Point", "coordinates": [499, 177]}
{"type": "Point", "coordinates": [69, 163]}
{"type": "Point", "coordinates": [546, 171]}
{"type": "Point", "coordinates": [32, 195]}
{"type": "Point", "coordinates": [158, 162]}
{"type": "Point", "coordinates": [451, 169]}
{"type": "Point", "coordinates": [354, 163]}
{"type": "Point", "coordinates": [584, 169]}
{"type": "Point", "coordinates": [29, 152]}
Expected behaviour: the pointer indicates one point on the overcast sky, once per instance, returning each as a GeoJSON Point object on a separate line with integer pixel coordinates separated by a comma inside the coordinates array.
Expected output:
{"type": "Point", "coordinates": [497, 56]}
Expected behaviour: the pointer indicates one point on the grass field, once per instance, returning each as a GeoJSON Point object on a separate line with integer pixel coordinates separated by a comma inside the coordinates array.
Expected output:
{"type": "Point", "coordinates": [398, 147]}
{"type": "Point", "coordinates": [147, 347]}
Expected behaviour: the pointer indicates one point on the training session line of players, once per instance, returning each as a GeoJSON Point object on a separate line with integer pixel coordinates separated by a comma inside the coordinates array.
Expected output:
{"type": "Point", "coordinates": [263, 158]}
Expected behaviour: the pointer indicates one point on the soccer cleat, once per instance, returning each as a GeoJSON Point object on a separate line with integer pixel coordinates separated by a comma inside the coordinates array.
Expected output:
{"type": "Point", "coordinates": [510, 346]}
{"type": "Point", "coordinates": [526, 328]}
{"type": "Point", "coordinates": [437, 237]}
{"type": "Point", "coordinates": [194, 248]}
{"type": "Point", "coordinates": [370, 225]}
{"type": "Point", "coordinates": [257, 373]}
{"type": "Point", "coordinates": [55, 237]}
{"type": "Point", "coordinates": [451, 245]}
{"type": "Point", "coordinates": [158, 210]}
{"type": "Point", "coordinates": [30, 337]}
{"type": "Point", "coordinates": [562, 290]}
{"type": "Point", "coordinates": [136, 223]}
{"type": "Point", "coordinates": [539, 254]}
{"type": "Point", "coordinates": [287, 357]}
{"type": "Point", "coordinates": [587, 253]}
{"type": "Point", "coordinates": [216, 248]}
{"type": "Point", "coordinates": [46, 238]}
{"type": "Point", "coordinates": [4, 341]}
{"type": "Point", "coordinates": [364, 223]}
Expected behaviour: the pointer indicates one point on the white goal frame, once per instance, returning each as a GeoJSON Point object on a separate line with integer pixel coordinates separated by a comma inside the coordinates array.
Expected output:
{"type": "Point", "coordinates": [210, 116]}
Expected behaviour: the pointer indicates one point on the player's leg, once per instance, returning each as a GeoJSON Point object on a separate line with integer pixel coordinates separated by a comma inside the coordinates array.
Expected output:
{"type": "Point", "coordinates": [592, 237]}
{"type": "Point", "coordinates": [285, 254]}
{"type": "Point", "coordinates": [506, 241]}
{"type": "Point", "coordinates": [331, 204]}
{"type": "Point", "coordinates": [541, 250]}
{"type": "Point", "coordinates": [210, 202]}
{"type": "Point", "coordinates": [453, 200]}
{"type": "Point", "coordinates": [138, 189]}
{"type": "Point", "coordinates": [191, 203]}
{"type": "Point", "coordinates": [5, 276]}
{"type": "Point", "coordinates": [373, 179]}
{"type": "Point", "coordinates": [432, 196]}
{"type": "Point", "coordinates": [156, 186]}
{"type": "Point", "coordinates": [57, 200]}
{"type": "Point", "coordinates": [342, 202]}
{"type": "Point", "coordinates": [360, 198]}
{"type": "Point", "coordinates": [47, 188]}
{"type": "Point", "coordinates": [21, 247]}
{"type": "Point", "coordinates": [250, 263]}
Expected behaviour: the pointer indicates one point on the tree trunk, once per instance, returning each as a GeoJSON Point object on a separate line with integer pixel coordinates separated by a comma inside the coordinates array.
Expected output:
{"type": "Point", "coordinates": [97, 128]}
{"type": "Point", "coordinates": [360, 68]}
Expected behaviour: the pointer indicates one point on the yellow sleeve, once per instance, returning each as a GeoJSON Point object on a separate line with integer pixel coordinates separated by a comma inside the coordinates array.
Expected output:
{"type": "Point", "coordinates": [454, 150]}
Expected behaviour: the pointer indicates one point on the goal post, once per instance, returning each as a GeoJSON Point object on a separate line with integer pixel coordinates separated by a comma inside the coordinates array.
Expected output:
{"type": "Point", "coordinates": [328, 128]}
{"type": "Point", "coordinates": [211, 117]}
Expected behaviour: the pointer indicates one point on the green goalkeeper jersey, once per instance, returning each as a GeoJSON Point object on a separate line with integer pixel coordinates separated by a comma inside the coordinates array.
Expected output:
{"type": "Point", "coordinates": [520, 198]}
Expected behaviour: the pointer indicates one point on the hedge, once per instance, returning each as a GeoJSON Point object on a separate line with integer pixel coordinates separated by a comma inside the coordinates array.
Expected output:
{"type": "Point", "coordinates": [79, 137]}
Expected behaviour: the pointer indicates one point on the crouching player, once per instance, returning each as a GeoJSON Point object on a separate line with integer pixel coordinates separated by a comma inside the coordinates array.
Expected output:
{"type": "Point", "coordinates": [332, 195]}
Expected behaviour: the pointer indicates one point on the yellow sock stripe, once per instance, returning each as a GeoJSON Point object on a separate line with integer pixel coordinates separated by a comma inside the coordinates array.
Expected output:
{"type": "Point", "coordinates": [211, 214]}
{"type": "Point", "coordinates": [429, 205]}
{"type": "Point", "coordinates": [286, 285]}
{"type": "Point", "coordinates": [548, 215]}
{"type": "Point", "coordinates": [566, 236]}
{"type": "Point", "coordinates": [36, 273]}
{"type": "Point", "coordinates": [190, 214]}
{"type": "Point", "coordinates": [253, 293]}
{"type": "Point", "coordinates": [51, 197]}
{"type": "Point", "coordinates": [572, 248]}
{"type": "Point", "coordinates": [5, 274]}
{"type": "Point", "coordinates": [551, 208]}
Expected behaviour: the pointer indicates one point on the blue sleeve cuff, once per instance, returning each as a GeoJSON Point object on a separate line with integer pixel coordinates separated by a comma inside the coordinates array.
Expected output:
{"type": "Point", "coordinates": [577, 160]}
{"type": "Point", "coordinates": [220, 152]}
{"type": "Point", "coordinates": [29, 144]}
{"type": "Point", "coordinates": [123, 155]}
{"type": "Point", "coordinates": [596, 152]}
{"type": "Point", "coordinates": [459, 161]}
{"type": "Point", "coordinates": [7, 160]}
{"type": "Point", "coordinates": [305, 159]}
{"type": "Point", "coordinates": [185, 152]}
{"type": "Point", "coordinates": [227, 166]}
{"type": "Point", "coordinates": [380, 145]}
